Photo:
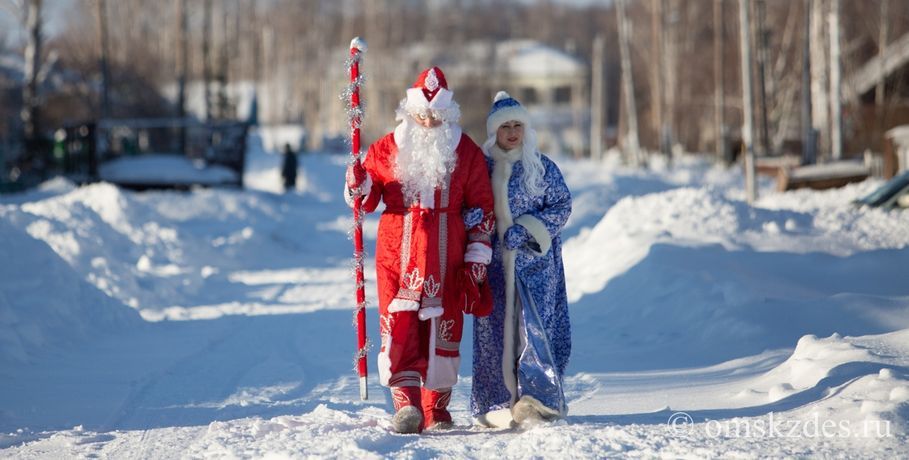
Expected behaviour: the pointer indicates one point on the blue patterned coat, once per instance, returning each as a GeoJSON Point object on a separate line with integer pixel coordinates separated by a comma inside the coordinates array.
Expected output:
{"type": "Point", "coordinates": [542, 298]}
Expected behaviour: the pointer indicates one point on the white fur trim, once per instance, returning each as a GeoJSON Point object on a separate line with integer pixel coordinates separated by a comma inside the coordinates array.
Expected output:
{"type": "Point", "coordinates": [509, 364]}
{"type": "Point", "coordinates": [430, 313]}
{"type": "Point", "coordinates": [366, 185]}
{"type": "Point", "coordinates": [501, 174]}
{"type": "Point", "coordinates": [534, 404]}
{"type": "Point", "coordinates": [416, 100]}
{"type": "Point", "coordinates": [384, 364]}
{"type": "Point", "coordinates": [500, 418]}
{"type": "Point", "coordinates": [441, 371]}
{"type": "Point", "coordinates": [478, 253]}
{"type": "Point", "coordinates": [515, 112]}
{"type": "Point", "coordinates": [397, 305]}
{"type": "Point", "coordinates": [538, 231]}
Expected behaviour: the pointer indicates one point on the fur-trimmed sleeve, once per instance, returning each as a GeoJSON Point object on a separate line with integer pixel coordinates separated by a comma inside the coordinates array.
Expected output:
{"type": "Point", "coordinates": [478, 194]}
{"type": "Point", "coordinates": [370, 163]}
{"type": "Point", "coordinates": [556, 207]}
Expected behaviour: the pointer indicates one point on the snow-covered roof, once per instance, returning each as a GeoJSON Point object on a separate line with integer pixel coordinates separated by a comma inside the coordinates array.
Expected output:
{"type": "Point", "coordinates": [531, 58]}
{"type": "Point", "coordinates": [150, 169]}
{"type": "Point", "coordinates": [505, 58]}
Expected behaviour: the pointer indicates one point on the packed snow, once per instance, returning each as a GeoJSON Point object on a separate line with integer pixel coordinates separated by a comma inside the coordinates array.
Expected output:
{"type": "Point", "coordinates": [218, 322]}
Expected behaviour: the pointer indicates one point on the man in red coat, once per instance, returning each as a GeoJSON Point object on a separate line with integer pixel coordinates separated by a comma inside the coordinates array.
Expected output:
{"type": "Point", "coordinates": [432, 249]}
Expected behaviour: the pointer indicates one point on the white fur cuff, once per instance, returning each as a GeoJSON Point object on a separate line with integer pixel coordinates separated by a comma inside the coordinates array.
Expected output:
{"type": "Point", "coordinates": [397, 305]}
{"type": "Point", "coordinates": [429, 312]}
{"type": "Point", "coordinates": [478, 253]}
{"type": "Point", "coordinates": [538, 231]}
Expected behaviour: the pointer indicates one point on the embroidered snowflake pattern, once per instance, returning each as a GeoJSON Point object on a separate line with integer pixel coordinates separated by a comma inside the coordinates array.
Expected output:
{"type": "Point", "coordinates": [478, 271]}
{"type": "Point", "coordinates": [385, 322]}
{"type": "Point", "coordinates": [431, 287]}
{"type": "Point", "coordinates": [432, 81]}
{"type": "Point", "coordinates": [446, 329]}
{"type": "Point", "coordinates": [413, 280]}
{"type": "Point", "coordinates": [487, 225]}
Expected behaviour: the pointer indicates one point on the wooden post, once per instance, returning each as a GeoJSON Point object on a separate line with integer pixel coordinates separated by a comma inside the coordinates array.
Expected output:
{"type": "Point", "coordinates": [836, 91]}
{"type": "Point", "coordinates": [809, 141]}
{"type": "Point", "coordinates": [182, 70]}
{"type": "Point", "coordinates": [761, 44]}
{"type": "Point", "coordinates": [101, 11]}
{"type": "Point", "coordinates": [631, 144]}
{"type": "Point", "coordinates": [719, 95]}
{"type": "Point", "coordinates": [880, 90]}
{"type": "Point", "coordinates": [820, 104]}
{"type": "Point", "coordinates": [30, 106]}
{"type": "Point", "coordinates": [206, 57]}
{"type": "Point", "coordinates": [747, 102]}
{"type": "Point", "coordinates": [597, 109]}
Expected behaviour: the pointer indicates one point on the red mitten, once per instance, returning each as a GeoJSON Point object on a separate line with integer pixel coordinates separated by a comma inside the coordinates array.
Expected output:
{"type": "Point", "coordinates": [355, 176]}
{"type": "Point", "coordinates": [476, 297]}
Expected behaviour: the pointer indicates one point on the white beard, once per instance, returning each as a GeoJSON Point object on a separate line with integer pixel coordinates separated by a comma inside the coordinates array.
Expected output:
{"type": "Point", "coordinates": [426, 158]}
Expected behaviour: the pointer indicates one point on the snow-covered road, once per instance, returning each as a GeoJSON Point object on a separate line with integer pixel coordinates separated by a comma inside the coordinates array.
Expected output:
{"type": "Point", "coordinates": [218, 323]}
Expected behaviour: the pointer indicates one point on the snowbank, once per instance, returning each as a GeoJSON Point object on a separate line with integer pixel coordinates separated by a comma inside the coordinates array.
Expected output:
{"type": "Point", "coordinates": [44, 303]}
{"type": "Point", "coordinates": [683, 298]}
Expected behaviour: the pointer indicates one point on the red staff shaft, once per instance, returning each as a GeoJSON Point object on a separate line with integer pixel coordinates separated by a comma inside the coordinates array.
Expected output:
{"type": "Point", "coordinates": [357, 47]}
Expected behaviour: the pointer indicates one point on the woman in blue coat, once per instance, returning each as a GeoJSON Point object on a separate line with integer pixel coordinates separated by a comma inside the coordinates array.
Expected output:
{"type": "Point", "coordinates": [522, 348]}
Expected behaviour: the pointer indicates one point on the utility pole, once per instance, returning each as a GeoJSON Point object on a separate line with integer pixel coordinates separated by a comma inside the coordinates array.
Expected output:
{"type": "Point", "coordinates": [879, 90]}
{"type": "Point", "coordinates": [658, 80]}
{"type": "Point", "coordinates": [820, 102]}
{"type": "Point", "coordinates": [182, 69]}
{"type": "Point", "coordinates": [809, 139]}
{"type": "Point", "coordinates": [669, 83]}
{"type": "Point", "coordinates": [101, 12]}
{"type": "Point", "coordinates": [597, 106]}
{"type": "Point", "coordinates": [747, 102]}
{"type": "Point", "coordinates": [206, 57]}
{"type": "Point", "coordinates": [224, 54]}
{"type": "Point", "coordinates": [631, 144]}
{"type": "Point", "coordinates": [719, 94]}
{"type": "Point", "coordinates": [836, 90]}
{"type": "Point", "coordinates": [761, 43]}
{"type": "Point", "coordinates": [30, 106]}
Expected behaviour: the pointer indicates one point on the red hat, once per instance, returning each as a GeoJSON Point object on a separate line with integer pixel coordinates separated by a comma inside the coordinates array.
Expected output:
{"type": "Point", "coordinates": [430, 91]}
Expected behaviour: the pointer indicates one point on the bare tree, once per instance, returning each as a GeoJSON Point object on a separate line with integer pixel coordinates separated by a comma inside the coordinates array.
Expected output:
{"type": "Point", "coordinates": [101, 13]}
{"type": "Point", "coordinates": [819, 75]}
{"type": "Point", "coordinates": [206, 56]}
{"type": "Point", "coordinates": [632, 145]}
{"type": "Point", "coordinates": [836, 90]}
{"type": "Point", "coordinates": [30, 98]}
{"type": "Point", "coordinates": [747, 101]}
{"type": "Point", "coordinates": [182, 67]}
{"type": "Point", "coordinates": [719, 103]}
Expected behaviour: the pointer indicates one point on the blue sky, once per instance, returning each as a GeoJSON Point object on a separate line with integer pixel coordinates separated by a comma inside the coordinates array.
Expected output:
{"type": "Point", "coordinates": [55, 18]}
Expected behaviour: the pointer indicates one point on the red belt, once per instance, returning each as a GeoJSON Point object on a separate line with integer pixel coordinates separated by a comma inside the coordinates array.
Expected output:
{"type": "Point", "coordinates": [402, 210]}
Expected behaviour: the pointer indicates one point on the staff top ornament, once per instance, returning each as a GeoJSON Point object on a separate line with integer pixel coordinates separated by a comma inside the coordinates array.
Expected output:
{"type": "Point", "coordinates": [359, 44]}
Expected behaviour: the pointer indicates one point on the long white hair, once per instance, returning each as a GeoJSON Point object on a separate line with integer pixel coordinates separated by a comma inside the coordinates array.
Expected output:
{"type": "Point", "coordinates": [530, 160]}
